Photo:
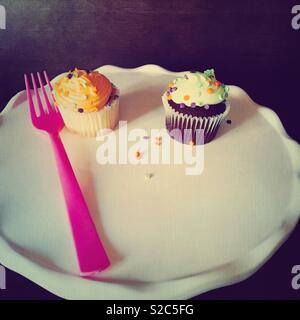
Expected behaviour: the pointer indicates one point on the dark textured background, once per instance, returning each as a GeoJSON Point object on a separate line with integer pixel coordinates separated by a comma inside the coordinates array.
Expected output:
{"type": "Point", "coordinates": [250, 44]}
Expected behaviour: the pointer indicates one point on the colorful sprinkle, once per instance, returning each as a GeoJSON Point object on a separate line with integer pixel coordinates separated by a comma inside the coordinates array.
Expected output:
{"type": "Point", "coordinates": [75, 73]}
{"type": "Point", "coordinates": [182, 105]}
{"type": "Point", "coordinates": [171, 85]}
{"type": "Point", "coordinates": [158, 140]}
{"type": "Point", "coordinates": [191, 143]}
{"type": "Point", "coordinates": [70, 75]}
{"type": "Point", "coordinates": [80, 110]}
{"type": "Point", "coordinates": [210, 90]}
{"type": "Point", "coordinates": [193, 105]}
{"type": "Point", "coordinates": [138, 155]}
{"type": "Point", "coordinates": [146, 137]}
{"type": "Point", "coordinates": [206, 107]}
{"type": "Point", "coordinates": [149, 176]}
{"type": "Point", "coordinates": [229, 121]}
{"type": "Point", "coordinates": [169, 97]}
{"type": "Point", "coordinates": [218, 83]}
{"type": "Point", "coordinates": [186, 97]}
{"type": "Point", "coordinates": [210, 73]}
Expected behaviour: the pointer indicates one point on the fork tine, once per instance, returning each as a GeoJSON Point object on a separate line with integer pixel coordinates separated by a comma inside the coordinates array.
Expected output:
{"type": "Point", "coordinates": [29, 98]}
{"type": "Point", "coordinates": [47, 79]}
{"type": "Point", "coordinates": [51, 89]}
{"type": "Point", "coordinates": [49, 106]}
{"type": "Point", "coordinates": [37, 95]}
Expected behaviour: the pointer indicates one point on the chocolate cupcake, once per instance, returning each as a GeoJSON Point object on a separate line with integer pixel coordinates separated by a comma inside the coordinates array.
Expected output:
{"type": "Point", "coordinates": [195, 107]}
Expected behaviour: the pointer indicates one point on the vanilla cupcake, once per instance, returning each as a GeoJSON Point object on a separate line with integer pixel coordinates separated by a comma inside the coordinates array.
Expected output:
{"type": "Point", "coordinates": [195, 107]}
{"type": "Point", "coordinates": [87, 101]}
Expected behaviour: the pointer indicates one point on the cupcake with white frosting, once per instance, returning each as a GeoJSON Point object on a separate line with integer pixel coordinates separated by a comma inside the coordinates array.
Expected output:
{"type": "Point", "coordinates": [195, 107]}
{"type": "Point", "coordinates": [87, 101]}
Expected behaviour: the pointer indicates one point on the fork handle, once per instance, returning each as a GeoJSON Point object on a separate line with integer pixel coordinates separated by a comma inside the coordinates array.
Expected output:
{"type": "Point", "coordinates": [90, 251]}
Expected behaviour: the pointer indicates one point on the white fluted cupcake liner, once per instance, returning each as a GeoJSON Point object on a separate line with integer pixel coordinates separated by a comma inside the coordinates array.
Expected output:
{"type": "Point", "coordinates": [90, 123]}
{"type": "Point", "coordinates": [193, 125]}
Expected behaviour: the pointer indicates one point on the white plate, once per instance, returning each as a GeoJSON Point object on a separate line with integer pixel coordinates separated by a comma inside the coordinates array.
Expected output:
{"type": "Point", "coordinates": [171, 237]}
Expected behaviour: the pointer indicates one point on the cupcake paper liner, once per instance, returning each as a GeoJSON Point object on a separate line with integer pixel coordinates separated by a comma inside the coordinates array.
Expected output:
{"type": "Point", "coordinates": [90, 123]}
{"type": "Point", "coordinates": [190, 127]}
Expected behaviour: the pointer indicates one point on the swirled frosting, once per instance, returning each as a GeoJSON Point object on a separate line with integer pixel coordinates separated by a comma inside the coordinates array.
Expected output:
{"type": "Point", "coordinates": [197, 89]}
{"type": "Point", "coordinates": [82, 91]}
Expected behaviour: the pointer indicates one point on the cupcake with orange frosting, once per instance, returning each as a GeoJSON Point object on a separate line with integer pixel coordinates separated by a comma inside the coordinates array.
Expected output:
{"type": "Point", "coordinates": [88, 102]}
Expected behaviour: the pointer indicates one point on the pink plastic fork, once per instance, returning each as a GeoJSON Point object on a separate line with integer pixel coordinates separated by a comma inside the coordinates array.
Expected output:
{"type": "Point", "coordinates": [90, 252]}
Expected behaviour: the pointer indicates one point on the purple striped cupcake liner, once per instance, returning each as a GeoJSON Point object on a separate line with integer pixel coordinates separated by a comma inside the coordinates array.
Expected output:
{"type": "Point", "coordinates": [186, 128]}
